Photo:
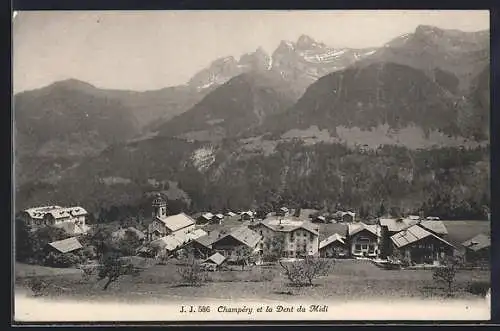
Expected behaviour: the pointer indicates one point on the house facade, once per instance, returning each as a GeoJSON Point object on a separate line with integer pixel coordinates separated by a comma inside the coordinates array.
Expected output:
{"type": "Point", "coordinates": [420, 246]}
{"type": "Point", "coordinates": [334, 246]}
{"type": "Point", "coordinates": [239, 238]}
{"type": "Point", "coordinates": [57, 216]}
{"type": "Point", "coordinates": [363, 240]}
{"type": "Point", "coordinates": [299, 237]}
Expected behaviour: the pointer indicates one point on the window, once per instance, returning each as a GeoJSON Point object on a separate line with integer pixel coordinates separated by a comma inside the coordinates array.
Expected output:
{"type": "Point", "coordinates": [261, 232]}
{"type": "Point", "coordinates": [357, 247]}
{"type": "Point", "coordinates": [311, 236]}
{"type": "Point", "coordinates": [291, 237]}
{"type": "Point", "coordinates": [371, 249]}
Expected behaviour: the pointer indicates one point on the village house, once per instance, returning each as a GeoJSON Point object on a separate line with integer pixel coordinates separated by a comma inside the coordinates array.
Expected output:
{"type": "Point", "coordinates": [163, 225]}
{"type": "Point", "coordinates": [174, 241]}
{"type": "Point", "coordinates": [300, 237]}
{"type": "Point", "coordinates": [204, 218]}
{"type": "Point", "coordinates": [478, 249]}
{"type": "Point", "coordinates": [420, 246]}
{"type": "Point", "coordinates": [202, 246]}
{"type": "Point", "coordinates": [283, 211]}
{"type": "Point", "coordinates": [70, 219]}
{"type": "Point", "coordinates": [347, 216]}
{"type": "Point", "coordinates": [217, 219]}
{"type": "Point", "coordinates": [391, 226]}
{"type": "Point", "coordinates": [246, 215]}
{"type": "Point", "coordinates": [363, 239]}
{"type": "Point", "coordinates": [333, 246]}
{"type": "Point", "coordinates": [231, 214]}
{"type": "Point", "coordinates": [214, 262]}
{"type": "Point", "coordinates": [228, 243]}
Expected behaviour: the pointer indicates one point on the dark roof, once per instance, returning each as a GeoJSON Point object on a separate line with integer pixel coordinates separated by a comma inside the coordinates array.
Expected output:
{"type": "Point", "coordinates": [208, 240]}
{"type": "Point", "coordinates": [478, 242]}
{"type": "Point", "coordinates": [66, 245]}
{"type": "Point", "coordinates": [413, 234]}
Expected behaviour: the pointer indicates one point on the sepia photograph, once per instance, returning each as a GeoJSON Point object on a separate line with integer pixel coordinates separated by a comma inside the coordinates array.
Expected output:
{"type": "Point", "coordinates": [245, 165]}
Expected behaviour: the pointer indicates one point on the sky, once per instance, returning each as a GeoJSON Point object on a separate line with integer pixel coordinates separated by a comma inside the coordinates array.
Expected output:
{"type": "Point", "coordinates": [150, 50]}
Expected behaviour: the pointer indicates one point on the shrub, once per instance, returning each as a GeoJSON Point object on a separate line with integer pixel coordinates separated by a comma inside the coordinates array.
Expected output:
{"type": "Point", "coordinates": [60, 260]}
{"type": "Point", "coordinates": [193, 274]}
{"type": "Point", "coordinates": [478, 287]}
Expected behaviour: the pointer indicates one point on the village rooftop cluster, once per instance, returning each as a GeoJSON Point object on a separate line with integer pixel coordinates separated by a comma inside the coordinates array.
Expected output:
{"type": "Point", "coordinates": [411, 241]}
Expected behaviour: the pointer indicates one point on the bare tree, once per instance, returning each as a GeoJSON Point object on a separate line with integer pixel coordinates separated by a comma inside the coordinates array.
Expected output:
{"type": "Point", "coordinates": [112, 268]}
{"type": "Point", "coordinates": [244, 255]}
{"type": "Point", "coordinates": [447, 274]}
{"type": "Point", "coordinates": [303, 272]}
{"type": "Point", "coordinates": [274, 247]}
{"type": "Point", "coordinates": [192, 273]}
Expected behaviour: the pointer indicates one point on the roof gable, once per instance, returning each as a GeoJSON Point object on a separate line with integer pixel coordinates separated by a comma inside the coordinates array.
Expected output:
{"type": "Point", "coordinates": [478, 242]}
{"type": "Point", "coordinates": [332, 239]}
{"type": "Point", "coordinates": [413, 234]}
{"type": "Point", "coordinates": [66, 245]}
{"type": "Point", "coordinates": [216, 258]}
{"type": "Point", "coordinates": [356, 228]}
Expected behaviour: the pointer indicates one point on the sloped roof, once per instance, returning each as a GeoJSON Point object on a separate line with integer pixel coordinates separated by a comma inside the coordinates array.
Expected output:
{"type": "Point", "coordinates": [230, 213]}
{"type": "Point", "coordinates": [208, 239]}
{"type": "Point", "coordinates": [219, 216]}
{"type": "Point", "coordinates": [217, 258]}
{"type": "Point", "coordinates": [38, 212]}
{"type": "Point", "coordinates": [177, 222]}
{"type": "Point", "coordinates": [169, 243]}
{"type": "Point", "coordinates": [198, 233]}
{"type": "Point", "coordinates": [352, 229]}
{"type": "Point", "coordinates": [288, 224]}
{"type": "Point", "coordinates": [249, 213]}
{"type": "Point", "coordinates": [434, 226]}
{"type": "Point", "coordinates": [208, 216]}
{"type": "Point", "coordinates": [77, 211]}
{"type": "Point", "coordinates": [244, 235]}
{"type": "Point", "coordinates": [413, 234]}
{"type": "Point", "coordinates": [397, 224]}
{"type": "Point", "coordinates": [478, 242]}
{"type": "Point", "coordinates": [333, 238]}
{"type": "Point", "coordinates": [66, 245]}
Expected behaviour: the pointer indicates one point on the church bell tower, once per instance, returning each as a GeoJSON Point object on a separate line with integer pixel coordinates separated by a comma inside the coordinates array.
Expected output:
{"type": "Point", "coordinates": [159, 207]}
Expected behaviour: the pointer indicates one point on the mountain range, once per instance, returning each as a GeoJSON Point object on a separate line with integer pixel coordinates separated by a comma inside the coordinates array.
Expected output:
{"type": "Point", "coordinates": [241, 131]}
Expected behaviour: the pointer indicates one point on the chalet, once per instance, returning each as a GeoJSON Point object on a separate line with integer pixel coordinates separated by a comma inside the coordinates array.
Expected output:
{"type": "Point", "coordinates": [231, 214]}
{"type": "Point", "coordinates": [333, 246]}
{"type": "Point", "coordinates": [420, 246]}
{"type": "Point", "coordinates": [347, 216]}
{"type": "Point", "coordinates": [68, 245]}
{"type": "Point", "coordinates": [215, 261]}
{"type": "Point", "coordinates": [283, 211]}
{"type": "Point", "coordinates": [242, 236]}
{"type": "Point", "coordinates": [57, 216]}
{"type": "Point", "coordinates": [218, 218]}
{"type": "Point", "coordinates": [391, 226]}
{"type": "Point", "coordinates": [300, 237]}
{"type": "Point", "coordinates": [363, 239]}
{"type": "Point", "coordinates": [205, 218]}
{"type": "Point", "coordinates": [246, 216]}
{"type": "Point", "coordinates": [163, 225]}
{"type": "Point", "coordinates": [175, 241]}
{"type": "Point", "coordinates": [478, 249]}
{"type": "Point", "coordinates": [202, 246]}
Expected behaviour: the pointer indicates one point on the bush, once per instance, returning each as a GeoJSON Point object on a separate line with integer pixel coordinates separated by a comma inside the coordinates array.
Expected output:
{"type": "Point", "coordinates": [478, 288]}
{"type": "Point", "coordinates": [37, 285]}
{"type": "Point", "coordinates": [193, 274]}
{"type": "Point", "coordinates": [60, 260]}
